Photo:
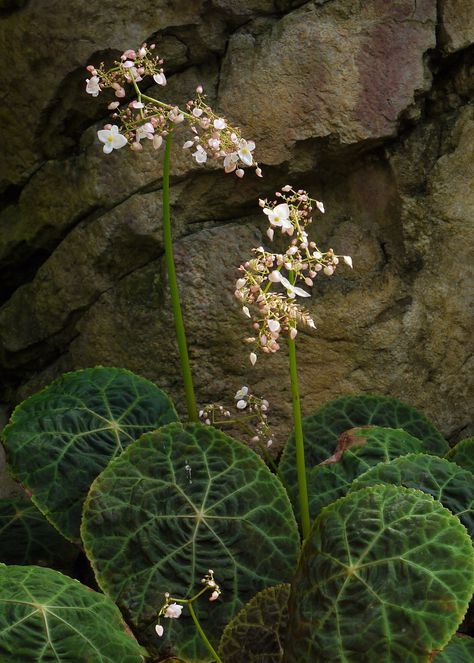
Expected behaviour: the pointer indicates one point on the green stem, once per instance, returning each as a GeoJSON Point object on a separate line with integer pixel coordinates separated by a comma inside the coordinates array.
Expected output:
{"type": "Point", "coordinates": [299, 441]}
{"type": "Point", "coordinates": [173, 286]}
{"type": "Point", "coordinates": [203, 635]}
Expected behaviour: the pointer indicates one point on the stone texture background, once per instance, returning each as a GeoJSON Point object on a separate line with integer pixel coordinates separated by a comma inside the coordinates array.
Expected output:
{"type": "Point", "coordinates": [366, 103]}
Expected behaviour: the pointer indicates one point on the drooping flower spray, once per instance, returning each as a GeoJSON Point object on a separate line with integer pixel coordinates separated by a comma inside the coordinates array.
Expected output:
{"type": "Point", "coordinates": [277, 312]}
{"type": "Point", "coordinates": [144, 119]}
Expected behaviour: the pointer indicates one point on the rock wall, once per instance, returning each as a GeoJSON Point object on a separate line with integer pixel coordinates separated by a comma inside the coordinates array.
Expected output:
{"type": "Point", "coordinates": [366, 103]}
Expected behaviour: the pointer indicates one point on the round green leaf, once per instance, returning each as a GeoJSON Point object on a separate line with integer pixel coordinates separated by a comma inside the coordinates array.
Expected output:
{"type": "Point", "coordinates": [177, 502]}
{"type": "Point", "coordinates": [460, 649]}
{"type": "Point", "coordinates": [26, 537]}
{"type": "Point", "coordinates": [446, 482]}
{"type": "Point", "coordinates": [46, 617]}
{"type": "Point", "coordinates": [256, 633]}
{"type": "Point", "coordinates": [463, 454]}
{"type": "Point", "coordinates": [385, 575]}
{"type": "Point", "coordinates": [357, 450]}
{"type": "Point", "coordinates": [322, 428]}
{"type": "Point", "coordinates": [61, 438]}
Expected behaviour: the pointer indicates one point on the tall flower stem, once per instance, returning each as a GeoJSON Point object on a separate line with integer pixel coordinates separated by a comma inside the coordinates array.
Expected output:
{"type": "Point", "coordinates": [299, 440]}
{"type": "Point", "coordinates": [210, 648]}
{"type": "Point", "coordinates": [173, 286]}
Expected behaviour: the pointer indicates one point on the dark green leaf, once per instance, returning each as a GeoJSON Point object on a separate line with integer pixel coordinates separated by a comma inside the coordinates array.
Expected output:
{"type": "Point", "coordinates": [179, 501]}
{"type": "Point", "coordinates": [61, 438]}
{"type": "Point", "coordinates": [463, 454]}
{"type": "Point", "coordinates": [446, 482]}
{"type": "Point", "coordinates": [256, 634]}
{"type": "Point", "coordinates": [46, 617]}
{"type": "Point", "coordinates": [385, 575]}
{"type": "Point", "coordinates": [357, 450]}
{"type": "Point", "coordinates": [459, 650]}
{"type": "Point", "coordinates": [26, 537]}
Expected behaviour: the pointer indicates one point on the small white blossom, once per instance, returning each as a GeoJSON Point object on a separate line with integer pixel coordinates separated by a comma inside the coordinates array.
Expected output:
{"type": "Point", "coordinates": [245, 151]}
{"type": "Point", "coordinates": [160, 78]}
{"type": "Point", "coordinates": [253, 358]}
{"type": "Point", "coordinates": [173, 611]}
{"type": "Point", "coordinates": [241, 405]}
{"type": "Point", "coordinates": [241, 393]}
{"type": "Point", "coordinates": [200, 155]}
{"type": "Point", "coordinates": [320, 206]}
{"type": "Point", "coordinates": [279, 216]}
{"type": "Point", "coordinates": [292, 290]}
{"type": "Point", "coordinates": [220, 123]}
{"type": "Point", "coordinates": [230, 162]}
{"type": "Point", "coordinates": [347, 260]}
{"type": "Point", "coordinates": [112, 139]}
{"type": "Point", "coordinates": [92, 86]}
{"type": "Point", "coordinates": [159, 630]}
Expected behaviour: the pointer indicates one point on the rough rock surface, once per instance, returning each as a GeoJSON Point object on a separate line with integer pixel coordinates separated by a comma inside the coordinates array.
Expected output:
{"type": "Point", "coordinates": [368, 105]}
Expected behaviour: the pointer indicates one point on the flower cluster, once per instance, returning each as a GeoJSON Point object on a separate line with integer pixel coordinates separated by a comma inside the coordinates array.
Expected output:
{"type": "Point", "coordinates": [146, 118]}
{"type": "Point", "coordinates": [278, 311]}
{"type": "Point", "coordinates": [250, 416]}
{"type": "Point", "coordinates": [172, 610]}
{"type": "Point", "coordinates": [211, 584]}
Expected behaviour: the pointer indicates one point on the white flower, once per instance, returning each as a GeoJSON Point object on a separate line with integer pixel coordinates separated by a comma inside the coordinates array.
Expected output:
{"type": "Point", "coordinates": [188, 144]}
{"type": "Point", "coordinates": [245, 151]}
{"type": "Point", "coordinates": [292, 290]}
{"type": "Point", "coordinates": [230, 162]}
{"type": "Point", "coordinates": [270, 233]}
{"type": "Point", "coordinates": [279, 216]}
{"type": "Point", "coordinates": [320, 206]}
{"type": "Point", "coordinates": [286, 188]}
{"type": "Point", "coordinates": [92, 86]}
{"type": "Point", "coordinates": [137, 104]}
{"type": "Point", "coordinates": [160, 79]}
{"type": "Point", "coordinates": [246, 311]}
{"type": "Point", "coordinates": [112, 139]}
{"type": "Point", "coordinates": [220, 123]}
{"type": "Point", "coordinates": [241, 393]}
{"type": "Point", "coordinates": [200, 155]}
{"type": "Point", "coordinates": [241, 405]}
{"type": "Point", "coordinates": [157, 141]}
{"type": "Point", "coordinates": [113, 105]}
{"type": "Point", "coordinates": [145, 131]}
{"type": "Point", "coordinates": [253, 358]}
{"type": "Point", "coordinates": [159, 630]}
{"type": "Point", "coordinates": [275, 276]}
{"type": "Point", "coordinates": [347, 260]}
{"type": "Point", "coordinates": [173, 611]}
{"type": "Point", "coordinates": [273, 325]}
{"type": "Point", "coordinates": [197, 112]}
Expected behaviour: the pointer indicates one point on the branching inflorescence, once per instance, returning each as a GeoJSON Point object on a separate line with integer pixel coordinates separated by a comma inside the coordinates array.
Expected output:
{"type": "Point", "coordinates": [146, 118]}
{"type": "Point", "coordinates": [274, 312]}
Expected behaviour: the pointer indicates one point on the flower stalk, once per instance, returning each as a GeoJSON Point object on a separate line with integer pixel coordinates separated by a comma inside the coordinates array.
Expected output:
{"type": "Point", "coordinates": [172, 609]}
{"type": "Point", "coordinates": [174, 289]}
{"type": "Point", "coordinates": [299, 439]}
